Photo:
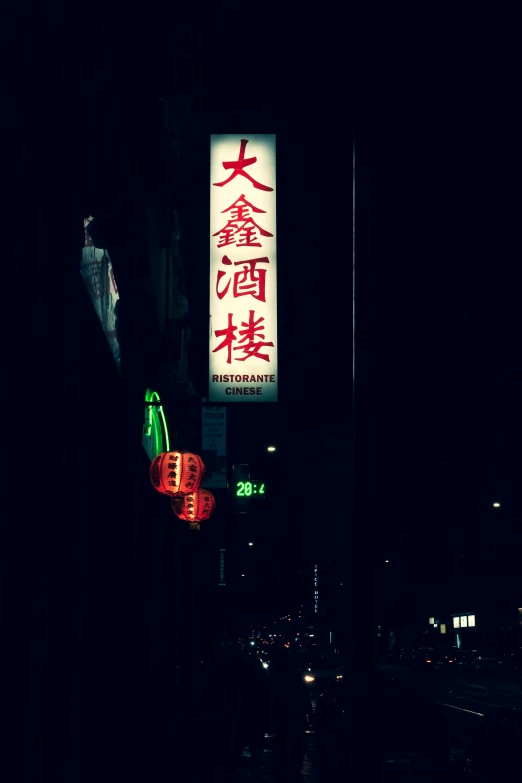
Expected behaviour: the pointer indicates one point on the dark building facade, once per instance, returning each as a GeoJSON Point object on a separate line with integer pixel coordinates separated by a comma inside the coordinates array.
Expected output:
{"type": "Point", "coordinates": [104, 618]}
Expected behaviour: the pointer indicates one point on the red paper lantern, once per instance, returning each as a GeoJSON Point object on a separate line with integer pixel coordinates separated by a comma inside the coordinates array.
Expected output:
{"type": "Point", "coordinates": [195, 507]}
{"type": "Point", "coordinates": [175, 473]}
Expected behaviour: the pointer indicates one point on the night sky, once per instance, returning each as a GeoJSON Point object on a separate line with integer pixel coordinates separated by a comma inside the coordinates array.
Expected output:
{"type": "Point", "coordinates": [449, 422]}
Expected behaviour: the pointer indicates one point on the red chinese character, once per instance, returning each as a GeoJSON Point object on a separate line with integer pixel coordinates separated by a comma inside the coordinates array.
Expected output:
{"type": "Point", "coordinates": [229, 336]}
{"type": "Point", "coordinates": [237, 167]}
{"type": "Point", "coordinates": [241, 223]}
{"type": "Point", "coordinates": [248, 280]}
{"type": "Point", "coordinates": [252, 348]}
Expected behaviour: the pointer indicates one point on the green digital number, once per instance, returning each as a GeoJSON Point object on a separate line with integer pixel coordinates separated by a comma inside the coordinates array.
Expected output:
{"type": "Point", "coordinates": [247, 488]}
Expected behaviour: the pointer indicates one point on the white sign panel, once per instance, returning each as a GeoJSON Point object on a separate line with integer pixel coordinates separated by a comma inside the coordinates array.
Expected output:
{"type": "Point", "coordinates": [214, 445]}
{"type": "Point", "coordinates": [243, 285]}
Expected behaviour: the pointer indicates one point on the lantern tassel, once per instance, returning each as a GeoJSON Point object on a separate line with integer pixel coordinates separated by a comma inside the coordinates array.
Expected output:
{"type": "Point", "coordinates": [194, 526]}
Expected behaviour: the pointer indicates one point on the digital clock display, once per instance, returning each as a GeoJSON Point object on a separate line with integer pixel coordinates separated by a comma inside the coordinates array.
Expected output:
{"type": "Point", "coordinates": [245, 489]}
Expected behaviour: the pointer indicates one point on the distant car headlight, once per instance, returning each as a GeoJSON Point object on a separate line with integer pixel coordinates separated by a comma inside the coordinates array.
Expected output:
{"type": "Point", "coordinates": [338, 676]}
{"type": "Point", "coordinates": [309, 678]}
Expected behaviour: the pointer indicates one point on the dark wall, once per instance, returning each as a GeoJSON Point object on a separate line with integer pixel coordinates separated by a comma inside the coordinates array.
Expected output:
{"type": "Point", "coordinates": [90, 580]}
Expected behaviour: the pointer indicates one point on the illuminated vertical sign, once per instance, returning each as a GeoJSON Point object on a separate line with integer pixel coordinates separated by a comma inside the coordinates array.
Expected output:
{"type": "Point", "coordinates": [316, 589]}
{"type": "Point", "coordinates": [222, 567]}
{"type": "Point", "coordinates": [243, 285]}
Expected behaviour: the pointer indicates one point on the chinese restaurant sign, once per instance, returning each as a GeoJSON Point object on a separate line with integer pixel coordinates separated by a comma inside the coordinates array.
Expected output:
{"type": "Point", "coordinates": [243, 288]}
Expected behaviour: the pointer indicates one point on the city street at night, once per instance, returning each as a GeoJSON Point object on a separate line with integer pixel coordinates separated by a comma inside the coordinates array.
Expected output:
{"type": "Point", "coordinates": [266, 395]}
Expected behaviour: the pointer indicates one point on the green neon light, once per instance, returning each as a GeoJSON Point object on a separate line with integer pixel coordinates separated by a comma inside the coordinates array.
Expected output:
{"type": "Point", "coordinates": [156, 419]}
{"type": "Point", "coordinates": [165, 430]}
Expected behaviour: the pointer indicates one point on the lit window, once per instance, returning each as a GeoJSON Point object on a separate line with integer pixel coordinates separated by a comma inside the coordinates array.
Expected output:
{"type": "Point", "coordinates": [456, 622]}
{"type": "Point", "coordinates": [431, 620]}
{"type": "Point", "coordinates": [464, 621]}
{"type": "Point", "coordinates": [471, 620]}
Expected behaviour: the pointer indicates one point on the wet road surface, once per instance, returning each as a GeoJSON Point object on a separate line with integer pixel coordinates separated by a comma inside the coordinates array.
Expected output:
{"type": "Point", "coordinates": [462, 701]}
{"type": "Point", "coordinates": [309, 771]}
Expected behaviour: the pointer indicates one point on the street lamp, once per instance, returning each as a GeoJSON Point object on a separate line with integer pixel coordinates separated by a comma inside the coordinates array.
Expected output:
{"type": "Point", "coordinates": [386, 561]}
{"type": "Point", "coordinates": [496, 505]}
{"type": "Point", "coordinates": [271, 448]}
{"type": "Point", "coordinates": [250, 543]}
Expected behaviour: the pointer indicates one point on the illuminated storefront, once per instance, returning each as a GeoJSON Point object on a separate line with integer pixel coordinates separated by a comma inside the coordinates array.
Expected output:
{"type": "Point", "coordinates": [462, 622]}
